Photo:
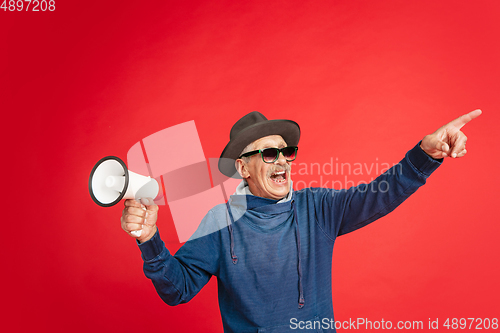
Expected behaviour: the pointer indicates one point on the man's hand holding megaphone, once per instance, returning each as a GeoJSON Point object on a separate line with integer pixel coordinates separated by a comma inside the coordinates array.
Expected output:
{"type": "Point", "coordinates": [140, 216]}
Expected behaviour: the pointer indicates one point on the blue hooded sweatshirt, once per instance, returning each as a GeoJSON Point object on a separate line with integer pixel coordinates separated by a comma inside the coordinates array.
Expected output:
{"type": "Point", "coordinates": [273, 259]}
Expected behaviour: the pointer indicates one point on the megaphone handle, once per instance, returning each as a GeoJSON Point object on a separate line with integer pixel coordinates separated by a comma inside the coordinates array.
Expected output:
{"type": "Point", "coordinates": [138, 233]}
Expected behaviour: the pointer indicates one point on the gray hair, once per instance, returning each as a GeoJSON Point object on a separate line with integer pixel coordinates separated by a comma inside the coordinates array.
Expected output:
{"type": "Point", "coordinates": [248, 148]}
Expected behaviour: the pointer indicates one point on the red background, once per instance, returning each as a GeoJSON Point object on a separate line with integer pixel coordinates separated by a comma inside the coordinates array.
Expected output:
{"type": "Point", "coordinates": [365, 80]}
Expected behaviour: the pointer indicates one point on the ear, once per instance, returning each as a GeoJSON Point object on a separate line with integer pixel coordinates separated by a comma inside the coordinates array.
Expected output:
{"type": "Point", "coordinates": [242, 168]}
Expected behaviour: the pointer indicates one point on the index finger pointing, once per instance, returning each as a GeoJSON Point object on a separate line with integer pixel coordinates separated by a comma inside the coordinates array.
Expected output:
{"type": "Point", "coordinates": [462, 120]}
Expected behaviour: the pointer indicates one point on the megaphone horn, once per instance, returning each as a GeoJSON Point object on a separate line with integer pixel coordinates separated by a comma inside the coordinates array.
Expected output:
{"type": "Point", "coordinates": [110, 181]}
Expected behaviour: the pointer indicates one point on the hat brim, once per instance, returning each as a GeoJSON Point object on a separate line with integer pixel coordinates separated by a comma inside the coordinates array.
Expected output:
{"type": "Point", "coordinates": [288, 129]}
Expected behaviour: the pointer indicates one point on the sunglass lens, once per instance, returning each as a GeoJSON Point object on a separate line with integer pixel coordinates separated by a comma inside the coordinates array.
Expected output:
{"type": "Point", "coordinates": [290, 153]}
{"type": "Point", "coordinates": [269, 155]}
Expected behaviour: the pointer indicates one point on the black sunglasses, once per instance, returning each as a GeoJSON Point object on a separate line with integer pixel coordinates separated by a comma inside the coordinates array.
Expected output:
{"type": "Point", "coordinates": [271, 155]}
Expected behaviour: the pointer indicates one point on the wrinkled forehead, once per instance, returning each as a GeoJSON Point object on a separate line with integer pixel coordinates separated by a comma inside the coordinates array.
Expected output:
{"type": "Point", "coordinates": [269, 141]}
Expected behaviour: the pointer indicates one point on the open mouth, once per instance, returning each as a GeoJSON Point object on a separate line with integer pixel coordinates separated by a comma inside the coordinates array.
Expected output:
{"type": "Point", "coordinates": [278, 177]}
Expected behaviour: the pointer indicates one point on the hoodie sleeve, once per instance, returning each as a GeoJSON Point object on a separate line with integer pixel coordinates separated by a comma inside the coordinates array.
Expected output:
{"type": "Point", "coordinates": [346, 210]}
{"type": "Point", "coordinates": [177, 279]}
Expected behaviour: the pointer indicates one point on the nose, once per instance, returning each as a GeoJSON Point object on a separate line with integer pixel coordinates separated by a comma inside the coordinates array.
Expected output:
{"type": "Point", "coordinates": [281, 159]}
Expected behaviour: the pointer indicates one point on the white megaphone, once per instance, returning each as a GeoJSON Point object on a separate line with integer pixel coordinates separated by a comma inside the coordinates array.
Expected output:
{"type": "Point", "coordinates": [110, 181]}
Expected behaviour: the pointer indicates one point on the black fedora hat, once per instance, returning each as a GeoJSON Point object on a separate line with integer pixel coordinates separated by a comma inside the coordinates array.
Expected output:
{"type": "Point", "coordinates": [249, 128]}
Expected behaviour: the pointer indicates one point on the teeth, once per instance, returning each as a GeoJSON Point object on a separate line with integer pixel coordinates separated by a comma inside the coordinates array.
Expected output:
{"type": "Point", "coordinates": [279, 173]}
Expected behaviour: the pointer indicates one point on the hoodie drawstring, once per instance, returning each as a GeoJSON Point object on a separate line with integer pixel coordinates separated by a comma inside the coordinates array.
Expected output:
{"type": "Point", "coordinates": [302, 301]}
{"type": "Point", "coordinates": [234, 258]}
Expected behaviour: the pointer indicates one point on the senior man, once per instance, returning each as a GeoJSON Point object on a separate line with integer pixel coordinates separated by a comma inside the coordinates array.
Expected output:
{"type": "Point", "coordinates": [271, 247]}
